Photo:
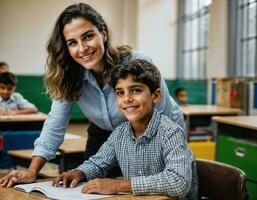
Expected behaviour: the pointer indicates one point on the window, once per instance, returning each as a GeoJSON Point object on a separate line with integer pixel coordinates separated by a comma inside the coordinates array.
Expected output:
{"type": "Point", "coordinates": [192, 37]}
{"type": "Point", "coordinates": [242, 60]}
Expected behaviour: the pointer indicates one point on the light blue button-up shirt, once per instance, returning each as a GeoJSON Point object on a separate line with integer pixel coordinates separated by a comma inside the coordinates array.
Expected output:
{"type": "Point", "coordinates": [99, 106]}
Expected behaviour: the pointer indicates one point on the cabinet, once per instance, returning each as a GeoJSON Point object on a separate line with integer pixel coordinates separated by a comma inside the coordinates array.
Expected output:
{"type": "Point", "coordinates": [236, 145]}
{"type": "Point", "coordinates": [198, 117]}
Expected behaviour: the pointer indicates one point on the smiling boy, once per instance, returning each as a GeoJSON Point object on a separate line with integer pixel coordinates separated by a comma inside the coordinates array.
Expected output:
{"type": "Point", "coordinates": [151, 150]}
{"type": "Point", "coordinates": [12, 103]}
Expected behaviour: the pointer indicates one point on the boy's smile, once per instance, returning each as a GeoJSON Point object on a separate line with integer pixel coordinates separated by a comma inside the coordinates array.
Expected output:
{"type": "Point", "coordinates": [6, 91]}
{"type": "Point", "coordinates": [135, 101]}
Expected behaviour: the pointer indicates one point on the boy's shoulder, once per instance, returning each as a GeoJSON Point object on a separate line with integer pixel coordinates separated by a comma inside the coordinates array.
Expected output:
{"type": "Point", "coordinates": [16, 95]}
{"type": "Point", "coordinates": [167, 126]}
{"type": "Point", "coordinates": [119, 130]}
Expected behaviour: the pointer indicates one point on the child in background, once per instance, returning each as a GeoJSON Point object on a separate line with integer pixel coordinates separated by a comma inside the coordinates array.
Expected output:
{"type": "Point", "coordinates": [151, 149]}
{"type": "Point", "coordinates": [181, 96]}
{"type": "Point", "coordinates": [12, 103]}
{"type": "Point", "coordinates": [4, 67]}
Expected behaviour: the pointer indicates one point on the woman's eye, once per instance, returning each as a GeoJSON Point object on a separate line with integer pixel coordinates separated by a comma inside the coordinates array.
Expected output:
{"type": "Point", "coordinates": [88, 37]}
{"type": "Point", "coordinates": [72, 43]}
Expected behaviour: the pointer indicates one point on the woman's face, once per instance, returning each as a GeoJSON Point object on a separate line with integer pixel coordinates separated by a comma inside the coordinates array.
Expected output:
{"type": "Point", "coordinates": [85, 43]}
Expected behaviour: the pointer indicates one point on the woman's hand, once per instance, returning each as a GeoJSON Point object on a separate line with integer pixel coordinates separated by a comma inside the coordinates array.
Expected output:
{"type": "Point", "coordinates": [106, 186]}
{"type": "Point", "coordinates": [16, 176]}
{"type": "Point", "coordinates": [69, 179]}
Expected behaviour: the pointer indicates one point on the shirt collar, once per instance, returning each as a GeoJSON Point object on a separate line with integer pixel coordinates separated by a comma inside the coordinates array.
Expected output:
{"type": "Point", "coordinates": [10, 99]}
{"type": "Point", "coordinates": [152, 127]}
{"type": "Point", "coordinates": [86, 75]}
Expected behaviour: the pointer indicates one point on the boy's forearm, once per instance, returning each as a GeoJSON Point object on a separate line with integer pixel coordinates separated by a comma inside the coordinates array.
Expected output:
{"type": "Point", "coordinates": [26, 111]}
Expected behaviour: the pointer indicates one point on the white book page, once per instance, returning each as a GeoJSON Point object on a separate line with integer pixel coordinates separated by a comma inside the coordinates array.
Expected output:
{"type": "Point", "coordinates": [68, 136]}
{"type": "Point", "coordinates": [60, 193]}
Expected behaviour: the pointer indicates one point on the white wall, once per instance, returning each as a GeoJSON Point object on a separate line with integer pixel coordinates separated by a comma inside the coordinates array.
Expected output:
{"type": "Point", "coordinates": [26, 26]}
{"type": "Point", "coordinates": [148, 25]}
{"type": "Point", "coordinates": [157, 33]}
{"type": "Point", "coordinates": [217, 60]}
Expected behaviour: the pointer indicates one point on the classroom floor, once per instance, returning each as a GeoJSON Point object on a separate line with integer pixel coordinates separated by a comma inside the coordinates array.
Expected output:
{"type": "Point", "coordinates": [77, 128]}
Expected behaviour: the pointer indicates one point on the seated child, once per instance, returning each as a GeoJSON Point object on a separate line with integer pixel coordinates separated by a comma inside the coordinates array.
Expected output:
{"type": "Point", "coordinates": [12, 103]}
{"type": "Point", "coordinates": [150, 149]}
{"type": "Point", "coordinates": [181, 96]}
{"type": "Point", "coordinates": [4, 67]}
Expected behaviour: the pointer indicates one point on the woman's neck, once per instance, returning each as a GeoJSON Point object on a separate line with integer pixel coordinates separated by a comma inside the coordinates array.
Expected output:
{"type": "Point", "coordinates": [99, 78]}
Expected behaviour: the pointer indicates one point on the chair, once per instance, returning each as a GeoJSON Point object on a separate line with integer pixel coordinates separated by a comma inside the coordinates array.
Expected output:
{"type": "Point", "coordinates": [219, 181]}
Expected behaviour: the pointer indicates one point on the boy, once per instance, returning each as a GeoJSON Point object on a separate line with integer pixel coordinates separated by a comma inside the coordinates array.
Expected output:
{"type": "Point", "coordinates": [151, 150]}
{"type": "Point", "coordinates": [4, 67]}
{"type": "Point", "coordinates": [181, 96]}
{"type": "Point", "coordinates": [12, 103]}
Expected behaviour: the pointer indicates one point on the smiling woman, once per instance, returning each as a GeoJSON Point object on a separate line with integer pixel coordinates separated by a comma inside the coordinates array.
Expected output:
{"type": "Point", "coordinates": [79, 64]}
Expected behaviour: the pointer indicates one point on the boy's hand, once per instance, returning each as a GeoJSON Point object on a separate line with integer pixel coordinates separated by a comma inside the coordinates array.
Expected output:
{"type": "Point", "coordinates": [2, 111]}
{"type": "Point", "coordinates": [106, 186]}
{"type": "Point", "coordinates": [16, 176]}
{"type": "Point", "coordinates": [69, 179]}
{"type": "Point", "coordinates": [11, 112]}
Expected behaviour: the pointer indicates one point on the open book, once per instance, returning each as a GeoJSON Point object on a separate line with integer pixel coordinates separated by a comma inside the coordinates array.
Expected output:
{"type": "Point", "coordinates": [60, 193]}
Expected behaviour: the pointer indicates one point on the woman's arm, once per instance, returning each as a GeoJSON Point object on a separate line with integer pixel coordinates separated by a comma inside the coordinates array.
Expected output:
{"type": "Point", "coordinates": [50, 139]}
{"type": "Point", "coordinates": [28, 176]}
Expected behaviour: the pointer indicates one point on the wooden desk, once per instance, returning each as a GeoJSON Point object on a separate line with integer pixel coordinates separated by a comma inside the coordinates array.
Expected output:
{"type": "Point", "coordinates": [200, 115]}
{"type": "Point", "coordinates": [68, 152]}
{"type": "Point", "coordinates": [237, 145]}
{"type": "Point", "coordinates": [10, 193]}
{"type": "Point", "coordinates": [22, 122]}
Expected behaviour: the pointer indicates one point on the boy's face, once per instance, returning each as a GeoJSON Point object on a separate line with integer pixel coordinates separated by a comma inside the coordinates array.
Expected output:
{"type": "Point", "coordinates": [135, 100]}
{"type": "Point", "coordinates": [4, 68]}
{"type": "Point", "coordinates": [6, 91]}
{"type": "Point", "coordinates": [182, 96]}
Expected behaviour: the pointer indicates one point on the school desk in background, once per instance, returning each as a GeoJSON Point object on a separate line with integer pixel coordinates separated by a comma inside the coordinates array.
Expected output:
{"type": "Point", "coordinates": [22, 122]}
{"type": "Point", "coordinates": [18, 132]}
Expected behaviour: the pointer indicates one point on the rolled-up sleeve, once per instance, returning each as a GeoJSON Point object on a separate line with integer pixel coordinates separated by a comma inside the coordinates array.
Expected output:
{"type": "Point", "coordinates": [52, 134]}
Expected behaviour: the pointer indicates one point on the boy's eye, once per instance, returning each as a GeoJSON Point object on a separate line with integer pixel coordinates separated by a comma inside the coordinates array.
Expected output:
{"type": "Point", "coordinates": [119, 93]}
{"type": "Point", "coordinates": [135, 90]}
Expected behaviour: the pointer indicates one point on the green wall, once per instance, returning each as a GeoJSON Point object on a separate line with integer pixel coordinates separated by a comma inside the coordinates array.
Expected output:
{"type": "Point", "coordinates": [196, 89]}
{"type": "Point", "coordinates": [31, 87]}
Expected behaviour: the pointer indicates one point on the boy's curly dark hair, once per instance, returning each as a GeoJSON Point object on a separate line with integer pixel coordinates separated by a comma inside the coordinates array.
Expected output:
{"type": "Point", "coordinates": [8, 78]}
{"type": "Point", "coordinates": [141, 71]}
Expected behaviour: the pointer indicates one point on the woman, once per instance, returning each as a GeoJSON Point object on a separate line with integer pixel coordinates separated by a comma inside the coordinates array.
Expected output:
{"type": "Point", "coordinates": [80, 58]}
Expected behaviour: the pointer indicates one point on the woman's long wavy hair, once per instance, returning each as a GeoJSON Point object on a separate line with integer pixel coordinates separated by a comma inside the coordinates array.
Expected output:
{"type": "Point", "coordinates": [64, 77]}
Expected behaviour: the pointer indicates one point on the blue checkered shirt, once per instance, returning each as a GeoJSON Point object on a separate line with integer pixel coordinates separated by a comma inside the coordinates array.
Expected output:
{"type": "Point", "coordinates": [159, 162]}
